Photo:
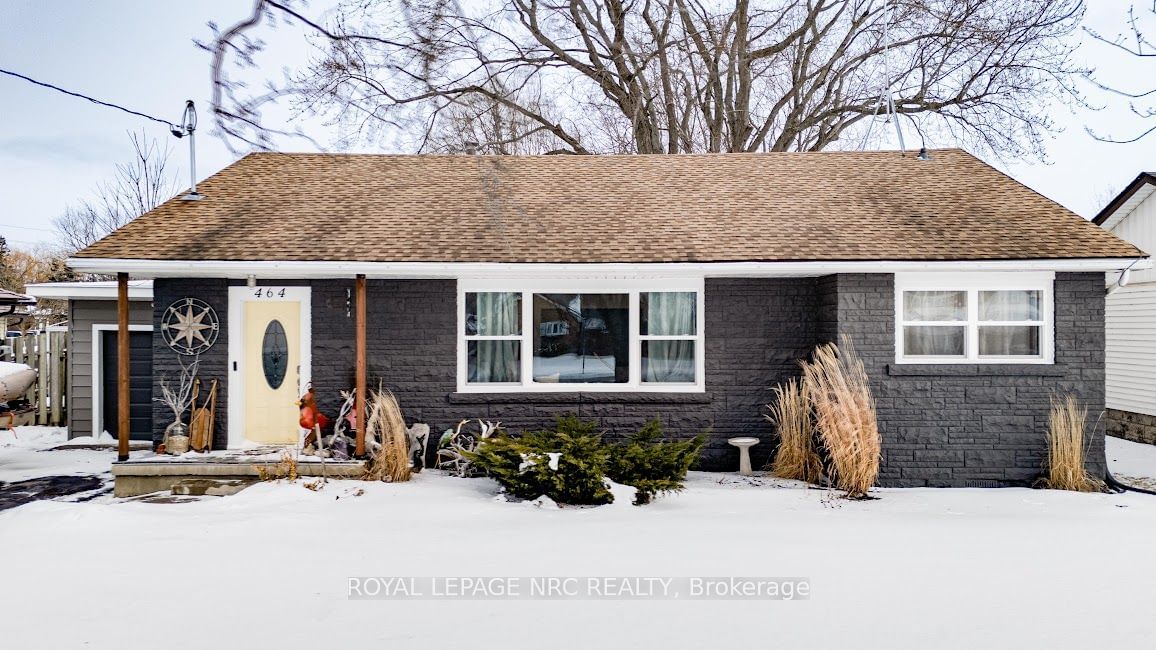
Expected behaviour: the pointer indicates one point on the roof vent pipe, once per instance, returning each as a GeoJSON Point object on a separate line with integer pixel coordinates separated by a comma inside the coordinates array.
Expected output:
{"type": "Point", "coordinates": [923, 155]}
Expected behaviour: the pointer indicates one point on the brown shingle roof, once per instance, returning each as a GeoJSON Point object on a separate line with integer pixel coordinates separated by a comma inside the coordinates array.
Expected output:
{"type": "Point", "coordinates": [658, 208]}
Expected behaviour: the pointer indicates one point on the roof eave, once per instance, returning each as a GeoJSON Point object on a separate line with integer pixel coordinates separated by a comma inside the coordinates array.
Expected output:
{"type": "Point", "coordinates": [138, 290]}
{"type": "Point", "coordinates": [274, 269]}
{"type": "Point", "coordinates": [1119, 207]}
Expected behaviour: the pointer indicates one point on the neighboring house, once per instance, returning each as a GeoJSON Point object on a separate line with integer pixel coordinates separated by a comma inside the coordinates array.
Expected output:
{"type": "Point", "coordinates": [689, 286]}
{"type": "Point", "coordinates": [91, 366]}
{"type": "Point", "coordinates": [10, 302]}
{"type": "Point", "coordinates": [1131, 317]}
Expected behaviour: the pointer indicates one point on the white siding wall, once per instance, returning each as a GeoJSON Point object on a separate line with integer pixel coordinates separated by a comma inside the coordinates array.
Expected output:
{"type": "Point", "coordinates": [1131, 349]}
{"type": "Point", "coordinates": [1131, 322]}
{"type": "Point", "coordinates": [1139, 229]}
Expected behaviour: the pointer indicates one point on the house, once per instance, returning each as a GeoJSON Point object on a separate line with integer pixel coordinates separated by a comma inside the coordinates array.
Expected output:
{"type": "Point", "coordinates": [90, 367]}
{"type": "Point", "coordinates": [10, 302]}
{"type": "Point", "coordinates": [623, 288]}
{"type": "Point", "coordinates": [1131, 317]}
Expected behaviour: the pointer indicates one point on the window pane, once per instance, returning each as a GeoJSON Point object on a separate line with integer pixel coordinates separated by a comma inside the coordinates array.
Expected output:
{"type": "Point", "coordinates": [275, 354]}
{"type": "Point", "coordinates": [493, 314]}
{"type": "Point", "coordinates": [668, 361]}
{"type": "Point", "coordinates": [928, 340]}
{"type": "Point", "coordinates": [934, 305]}
{"type": "Point", "coordinates": [581, 337]}
{"type": "Point", "coordinates": [1009, 305]}
{"type": "Point", "coordinates": [668, 313]}
{"type": "Point", "coordinates": [1004, 340]}
{"type": "Point", "coordinates": [493, 361]}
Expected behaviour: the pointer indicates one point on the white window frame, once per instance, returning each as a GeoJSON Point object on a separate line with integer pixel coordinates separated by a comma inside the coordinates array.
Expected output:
{"type": "Point", "coordinates": [973, 283]}
{"type": "Point", "coordinates": [632, 287]}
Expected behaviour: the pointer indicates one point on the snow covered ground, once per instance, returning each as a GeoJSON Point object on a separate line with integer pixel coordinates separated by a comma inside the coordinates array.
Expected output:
{"type": "Point", "coordinates": [270, 566]}
{"type": "Point", "coordinates": [24, 455]}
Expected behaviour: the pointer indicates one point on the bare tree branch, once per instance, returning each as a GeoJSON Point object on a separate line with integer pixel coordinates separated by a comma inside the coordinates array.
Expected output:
{"type": "Point", "coordinates": [138, 186]}
{"type": "Point", "coordinates": [672, 76]}
{"type": "Point", "coordinates": [1136, 44]}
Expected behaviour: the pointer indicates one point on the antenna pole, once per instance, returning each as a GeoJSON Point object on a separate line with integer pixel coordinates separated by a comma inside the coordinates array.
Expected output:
{"type": "Point", "coordinates": [895, 119]}
{"type": "Point", "coordinates": [889, 7]}
{"type": "Point", "coordinates": [192, 163]}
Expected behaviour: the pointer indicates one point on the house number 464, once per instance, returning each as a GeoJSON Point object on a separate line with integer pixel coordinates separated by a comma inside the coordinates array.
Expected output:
{"type": "Point", "coordinates": [269, 293]}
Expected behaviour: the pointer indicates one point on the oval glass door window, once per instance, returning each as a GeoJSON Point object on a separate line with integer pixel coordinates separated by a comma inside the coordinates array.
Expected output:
{"type": "Point", "coordinates": [275, 354]}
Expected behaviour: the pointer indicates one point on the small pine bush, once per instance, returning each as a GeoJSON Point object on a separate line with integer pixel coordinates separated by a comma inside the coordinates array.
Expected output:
{"type": "Point", "coordinates": [567, 464]}
{"type": "Point", "coordinates": [652, 466]}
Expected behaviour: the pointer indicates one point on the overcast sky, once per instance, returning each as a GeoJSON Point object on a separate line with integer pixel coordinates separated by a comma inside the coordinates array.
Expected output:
{"type": "Point", "coordinates": [55, 149]}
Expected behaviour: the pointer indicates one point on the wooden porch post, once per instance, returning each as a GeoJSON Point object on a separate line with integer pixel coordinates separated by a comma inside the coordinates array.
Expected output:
{"type": "Point", "coordinates": [122, 367]}
{"type": "Point", "coordinates": [360, 371]}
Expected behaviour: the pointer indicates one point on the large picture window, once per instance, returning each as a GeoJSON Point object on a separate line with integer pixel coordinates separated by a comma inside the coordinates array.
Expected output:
{"type": "Point", "coordinates": [981, 318]}
{"type": "Point", "coordinates": [580, 335]}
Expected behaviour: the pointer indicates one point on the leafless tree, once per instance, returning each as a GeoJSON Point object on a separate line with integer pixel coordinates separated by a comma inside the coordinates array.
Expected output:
{"type": "Point", "coordinates": [1135, 42]}
{"type": "Point", "coordinates": [665, 76]}
{"type": "Point", "coordinates": [137, 187]}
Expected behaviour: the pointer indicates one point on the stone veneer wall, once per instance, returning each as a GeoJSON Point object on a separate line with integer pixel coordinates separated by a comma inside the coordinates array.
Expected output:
{"type": "Point", "coordinates": [971, 425]}
{"type": "Point", "coordinates": [1137, 427]}
{"type": "Point", "coordinates": [942, 425]}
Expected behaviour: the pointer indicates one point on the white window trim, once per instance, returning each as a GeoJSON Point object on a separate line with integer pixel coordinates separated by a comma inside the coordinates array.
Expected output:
{"type": "Point", "coordinates": [633, 287]}
{"type": "Point", "coordinates": [973, 283]}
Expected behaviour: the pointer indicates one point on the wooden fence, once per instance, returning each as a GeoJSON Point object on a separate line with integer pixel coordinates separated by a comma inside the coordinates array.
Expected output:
{"type": "Point", "coordinates": [47, 353]}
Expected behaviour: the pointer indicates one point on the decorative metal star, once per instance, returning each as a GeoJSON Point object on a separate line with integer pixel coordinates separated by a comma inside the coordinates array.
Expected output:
{"type": "Point", "coordinates": [190, 326]}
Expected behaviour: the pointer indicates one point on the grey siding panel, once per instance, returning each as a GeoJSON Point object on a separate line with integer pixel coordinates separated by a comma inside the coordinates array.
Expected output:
{"type": "Point", "coordinates": [83, 314]}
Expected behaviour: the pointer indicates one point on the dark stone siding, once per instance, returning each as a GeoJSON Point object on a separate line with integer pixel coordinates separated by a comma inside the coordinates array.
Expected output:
{"type": "Point", "coordinates": [973, 424]}
{"type": "Point", "coordinates": [755, 332]}
{"type": "Point", "coordinates": [941, 425]}
{"type": "Point", "coordinates": [214, 362]}
{"type": "Point", "coordinates": [1137, 427]}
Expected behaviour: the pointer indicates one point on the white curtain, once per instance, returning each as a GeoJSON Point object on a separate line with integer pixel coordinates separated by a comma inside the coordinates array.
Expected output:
{"type": "Point", "coordinates": [498, 314]}
{"type": "Point", "coordinates": [1015, 340]}
{"type": "Point", "coordinates": [1009, 305]}
{"type": "Point", "coordinates": [669, 314]}
{"type": "Point", "coordinates": [934, 340]}
{"type": "Point", "coordinates": [935, 306]}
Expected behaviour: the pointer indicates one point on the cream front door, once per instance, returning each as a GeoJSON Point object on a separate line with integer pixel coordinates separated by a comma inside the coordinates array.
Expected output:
{"type": "Point", "coordinates": [271, 365]}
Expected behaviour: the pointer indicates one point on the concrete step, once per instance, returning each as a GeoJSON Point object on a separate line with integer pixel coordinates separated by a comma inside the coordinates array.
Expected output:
{"type": "Point", "coordinates": [212, 487]}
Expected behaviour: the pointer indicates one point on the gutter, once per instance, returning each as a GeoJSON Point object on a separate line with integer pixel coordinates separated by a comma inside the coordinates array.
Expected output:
{"type": "Point", "coordinates": [414, 270]}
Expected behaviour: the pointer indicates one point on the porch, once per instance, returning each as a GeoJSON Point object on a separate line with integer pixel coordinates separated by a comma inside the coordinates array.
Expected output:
{"type": "Point", "coordinates": [160, 472]}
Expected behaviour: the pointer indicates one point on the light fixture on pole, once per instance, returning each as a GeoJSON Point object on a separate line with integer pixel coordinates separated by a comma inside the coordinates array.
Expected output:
{"type": "Point", "coordinates": [188, 127]}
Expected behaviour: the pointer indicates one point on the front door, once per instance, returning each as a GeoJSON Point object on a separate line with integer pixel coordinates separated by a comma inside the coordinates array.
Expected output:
{"type": "Point", "coordinates": [271, 365]}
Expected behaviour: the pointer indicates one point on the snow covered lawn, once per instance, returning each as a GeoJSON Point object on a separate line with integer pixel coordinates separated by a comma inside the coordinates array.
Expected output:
{"type": "Point", "coordinates": [269, 567]}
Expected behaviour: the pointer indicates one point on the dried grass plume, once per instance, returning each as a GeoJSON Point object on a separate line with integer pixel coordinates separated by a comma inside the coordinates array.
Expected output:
{"type": "Point", "coordinates": [797, 457]}
{"type": "Point", "coordinates": [1067, 448]}
{"type": "Point", "coordinates": [385, 424]}
{"type": "Point", "coordinates": [840, 394]}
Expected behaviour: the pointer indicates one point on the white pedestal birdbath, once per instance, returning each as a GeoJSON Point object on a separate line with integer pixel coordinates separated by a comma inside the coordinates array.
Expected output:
{"type": "Point", "coordinates": [744, 444]}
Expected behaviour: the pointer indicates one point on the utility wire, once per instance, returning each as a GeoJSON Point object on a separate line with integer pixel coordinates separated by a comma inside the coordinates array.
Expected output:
{"type": "Point", "coordinates": [8, 225]}
{"type": "Point", "coordinates": [94, 101]}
